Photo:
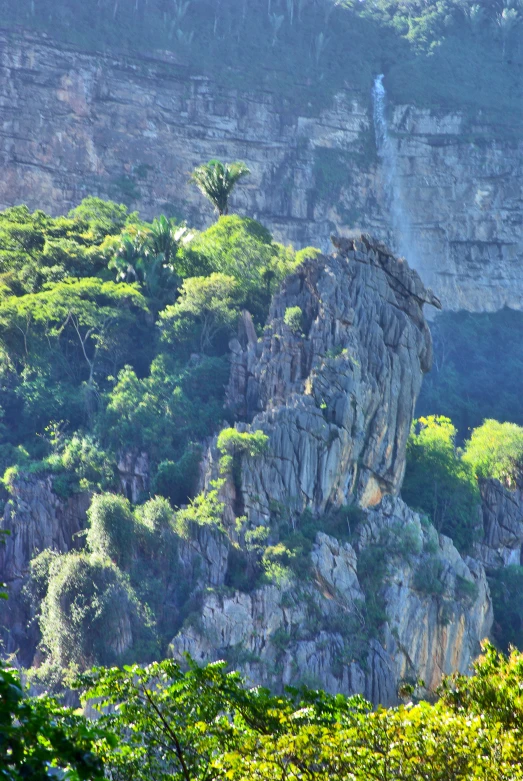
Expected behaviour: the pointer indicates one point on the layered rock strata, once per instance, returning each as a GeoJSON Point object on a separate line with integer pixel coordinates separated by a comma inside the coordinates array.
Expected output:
{"type": "Point", "coordinates": [335, 394]}
{"type": "Point", "coordinates": [316, 627]}
{"type": "Point", "coordinates": [502, 513]}
{"type": "Point", "coordinates": [36, 519]}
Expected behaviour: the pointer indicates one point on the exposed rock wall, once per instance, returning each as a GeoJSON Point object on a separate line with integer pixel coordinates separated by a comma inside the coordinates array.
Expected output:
{"type": "Point", "coordinates": [75, 124]}
{"type": "Point", "coordinates": [37, 519]}
{"type": "Point", "coordinates": [315, 629]}
{"type": "Point", "coordinates": [336, 396]}
{"type": "Point", "coordinates": [502, 511]}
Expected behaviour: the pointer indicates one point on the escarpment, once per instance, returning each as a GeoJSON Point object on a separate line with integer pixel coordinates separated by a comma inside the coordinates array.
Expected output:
{"type": "Point", "coordinates": [77, 123]}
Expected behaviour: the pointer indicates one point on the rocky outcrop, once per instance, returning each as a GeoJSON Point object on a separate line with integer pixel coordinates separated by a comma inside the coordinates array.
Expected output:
{"type": "Point", "coordinates": [336, 394]}
{"type": "Point", "coordinates": [37, 519]}
{"type": "Point", "coordinates": [333, 387]}
{"type": "Point", "coordinates": [317, 627]}
{"type": "Point", "coordinates": [133, 472]}
{"type": "Point", "coordinates": [502, 511]}
{"type": "Point", "coordinates": [131, 128]}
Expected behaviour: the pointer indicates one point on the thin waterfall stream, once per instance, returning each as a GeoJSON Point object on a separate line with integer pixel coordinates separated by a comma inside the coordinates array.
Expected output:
{"type": "Point", "coordinates": [400, 220]}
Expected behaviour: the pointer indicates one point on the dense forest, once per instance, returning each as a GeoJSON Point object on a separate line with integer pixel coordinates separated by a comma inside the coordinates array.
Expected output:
{"type": "Point", "coordinates": [445, 54]}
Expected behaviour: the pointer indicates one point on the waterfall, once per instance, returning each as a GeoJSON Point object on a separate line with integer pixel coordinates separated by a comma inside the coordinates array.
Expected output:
{"type": "Point", "coordinates": [399, 216]}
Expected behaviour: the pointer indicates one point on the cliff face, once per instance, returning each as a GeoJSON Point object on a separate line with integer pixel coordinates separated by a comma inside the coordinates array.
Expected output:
{"type": "Point", "coordinates": [75, 124]}
{"type": "Point", "coordinates": [316, 628]}
{"type": "Point", "coordinates": [37, 519]}
{"type": "Point", "coordinates": [357, 606]}
{"type": "Point", "coordinates": [336, 392]}
{"type": "Point", "coordinates": [335, 398]}
{"type": "Point", "coordinates": [502, 511]}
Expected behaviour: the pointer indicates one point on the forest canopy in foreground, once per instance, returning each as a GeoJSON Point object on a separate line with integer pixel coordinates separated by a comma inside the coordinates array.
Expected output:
{"type": "Point", "coordinates": [203, 724]}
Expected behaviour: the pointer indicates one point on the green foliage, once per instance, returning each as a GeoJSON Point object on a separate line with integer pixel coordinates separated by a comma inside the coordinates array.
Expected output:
{"type": "Point", "coordinates": [204, 724]}
{"type": "Point", "coordinates": [111, 528]}
{"type": "Point", "coordinates": [178, 480]}
{"type": "Point", "coordinates": [440, 483]}
{"type": "Point", "coordinates": [217, 180]}
{"type": "Point", "coordinates": [232, 442]}
{"type": "Point", "coordinates": [496, 450]}
{"type": "Point", "coordinates": [80, 464]}
{"type": "Point", "coordinates": [427, 578]}
{"type": "Point", "coordinates": [443, 54]}
{"type": "Point", "coordinates": [39, 740]}
{"type": "Point", "coordinates": [293, 318]}
{"type": "Point", "coordinates": [90, 612]}
{"type": "Point", "coordinates": [204, 311]}
{"type": "Point", "coordinates": [243, 249]}
{"type": "Point", "coordinates": [235, 445]}
{"type": "Point", "coordinates": [204, 510]}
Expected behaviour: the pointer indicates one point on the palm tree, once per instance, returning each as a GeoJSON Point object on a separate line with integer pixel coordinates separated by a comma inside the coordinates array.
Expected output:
{"type": "Point", "coordinates": [216, 181]}
{"type": "Point", "coordinates": [165, 236]}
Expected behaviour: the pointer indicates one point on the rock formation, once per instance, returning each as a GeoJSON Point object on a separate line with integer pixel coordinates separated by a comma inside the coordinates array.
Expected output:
{"type": "Point", "coordinates": [77, 123]}
{"type": "Point", "coordinates": [355, 607]}
{"type": "Point", "coordinates": [316, 627]}
{"type": "Point", "coordinates": [37, 519]}
{"type": "Point", "coordinates": [502, 511]}
{"type": "Point", "coordinates": [335, 398]}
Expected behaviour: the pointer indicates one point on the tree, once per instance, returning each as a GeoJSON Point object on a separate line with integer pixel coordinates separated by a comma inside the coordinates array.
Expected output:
{"type": "Point", "coordinates": [91, 614]}
{"type": "Point", "coordinates": [217, 180]}
{"type": "Point", "coordinates": [40, 740]}
{"type": "Point", "coordinates": [87, 312]}
{"type": "Point", "coordinates": [439, 483]}
{"type": "Point", "coordinates": [496, 450]}
{"type": "Point", "coordinates": [205, 308]}
{"type": "Point", "coordinates": [111, 528]}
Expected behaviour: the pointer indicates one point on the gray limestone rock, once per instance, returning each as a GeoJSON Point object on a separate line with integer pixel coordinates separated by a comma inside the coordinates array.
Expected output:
{"type": "Point", "coordinates": [76, 123]}
{"type": "Point", "coordinates": [314, 629]}
{"type": "Point", "coordinates": [37, 519]}
{"type": "Point", "coordinates": [336, 398]}
{"type": "Point", "coordinates": [502, 511]}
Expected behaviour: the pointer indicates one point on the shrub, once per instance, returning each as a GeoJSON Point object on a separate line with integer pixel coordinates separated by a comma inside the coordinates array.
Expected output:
{"type": "Point", "coordinates": [89, 611]}
{"type": "Point", "coordinates": [440, 483]}
{"type": "Point", "coordinates": [466, 590]}
{"type": "Point", "coordinates": [178, 480]}
{"type": "Point", "coordinates": [234, 444]}
{"type": "Point", "coordinates": [156, 514]}
{"type": "Point", "coordinates": [293, 318]}
{"type": "Point", "coordinates": [111, 528]}
{"type": "Point", "coordinates": [204, 510]}
{"type": "Point", "coordinates": [427, 578]}
{"type": "Point", "coordinates": [496, 450]}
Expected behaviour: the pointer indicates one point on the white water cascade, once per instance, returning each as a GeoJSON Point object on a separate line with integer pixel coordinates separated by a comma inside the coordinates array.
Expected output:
{"type": "Point", "coordinates": [394, 194]}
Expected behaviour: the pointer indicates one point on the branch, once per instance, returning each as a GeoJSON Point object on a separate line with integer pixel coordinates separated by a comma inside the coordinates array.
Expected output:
{"type": "Point", "coordinates": [179, 751]}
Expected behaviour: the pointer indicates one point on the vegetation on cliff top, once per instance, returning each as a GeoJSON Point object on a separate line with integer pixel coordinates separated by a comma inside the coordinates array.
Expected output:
{"type": "Point", "coordinates": [452, 54]}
